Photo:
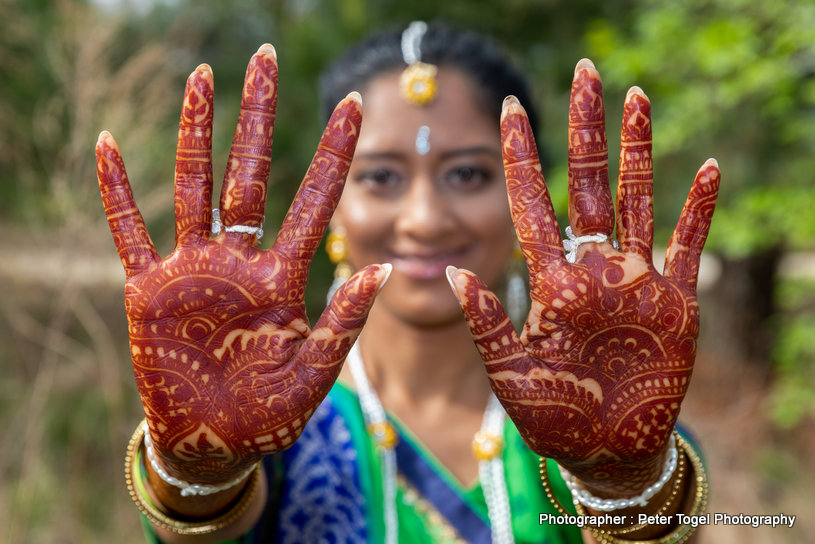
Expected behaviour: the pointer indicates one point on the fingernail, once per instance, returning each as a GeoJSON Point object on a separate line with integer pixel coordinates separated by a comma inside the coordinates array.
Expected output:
{"type": "Point", "coordinates": [511, 105]}
{"type": "Point", "coordinates": [584, 64]}
{"type": "Point", "coordinates": [355, 96]}
{"type": "Point", "coordinates": [449, 271]}
{"type": "Point", "coordinates": [713, 161]}
{"type": "Point", "coordinates": [635, 90]}
{"type": "Point", "coordinates": [267, 49]}
{"type": "Point", "coordinates": [510, 100]}
{"type": "Point", "coordinates": [104, 135]}
{"type": "Point", "coordinates": [388, 268]}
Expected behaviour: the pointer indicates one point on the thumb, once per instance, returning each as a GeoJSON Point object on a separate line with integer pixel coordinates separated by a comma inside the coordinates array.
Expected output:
{"type": "Point", "coordinates": [492, 330]}
{"type": "Point", "coordinates": [341, 322]}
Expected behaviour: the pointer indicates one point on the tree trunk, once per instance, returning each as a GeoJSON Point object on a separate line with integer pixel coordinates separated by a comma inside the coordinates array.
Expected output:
{"type": "Point", "coordinates": [737, 311]}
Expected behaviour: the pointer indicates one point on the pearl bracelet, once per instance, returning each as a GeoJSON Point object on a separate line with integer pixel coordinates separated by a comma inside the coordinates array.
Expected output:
{"type": "Point", "coordinates": [679, 534]}
{"type": "Point", "coordinates": [607, 505]}
{"type": "Point", "coordinates": [187, 488]}
{"type": "Point", "coordinates": [136, 486]}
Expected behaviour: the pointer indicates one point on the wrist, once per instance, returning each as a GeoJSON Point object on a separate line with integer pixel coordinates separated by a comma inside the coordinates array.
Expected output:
{"type": "Point", "coordinates": [165, 507]}
{"type": "Point", "coordinates": [186, 487]}
{"type": "Point", "coordinates": [616, 479]}
{"type": "Point", "coordinates": [634, 495]}
{"type": "Point", "coordinates": [658, 522]}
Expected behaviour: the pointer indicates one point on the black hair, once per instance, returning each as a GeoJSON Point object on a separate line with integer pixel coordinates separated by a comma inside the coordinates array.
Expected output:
{"type": "Point", "coordinates": [490, 70]}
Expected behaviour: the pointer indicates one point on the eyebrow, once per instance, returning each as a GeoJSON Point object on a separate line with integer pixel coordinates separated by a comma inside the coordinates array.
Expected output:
{"type": "Point", "coordinates": [395, 155]}
{"type": "Point", "coordinates": [475, 150]}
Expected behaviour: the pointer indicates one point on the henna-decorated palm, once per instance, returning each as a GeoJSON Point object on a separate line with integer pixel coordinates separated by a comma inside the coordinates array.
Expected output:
{"type": "Point", "coordinates": [224, 359]}
{"type": "Point", "coordinates": [597, 377]}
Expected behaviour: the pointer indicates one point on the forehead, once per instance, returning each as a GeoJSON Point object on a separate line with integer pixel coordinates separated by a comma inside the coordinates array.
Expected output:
{"type": "Point", "coordinates": [455, 117]}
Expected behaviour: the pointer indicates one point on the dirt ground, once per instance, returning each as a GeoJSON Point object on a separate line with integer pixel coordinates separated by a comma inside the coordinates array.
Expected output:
{"type": "Point", "coordinates": [755, 469]}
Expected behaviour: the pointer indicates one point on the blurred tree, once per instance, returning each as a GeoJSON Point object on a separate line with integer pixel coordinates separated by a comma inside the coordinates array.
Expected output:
{"type": "Point", "coordinates": [732, 78]}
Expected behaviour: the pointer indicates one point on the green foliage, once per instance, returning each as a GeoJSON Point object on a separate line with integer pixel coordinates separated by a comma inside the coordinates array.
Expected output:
{"type": "Point", "coordinates": [732, 79]}
{"type": "Point", "coordinates": [793, 396]}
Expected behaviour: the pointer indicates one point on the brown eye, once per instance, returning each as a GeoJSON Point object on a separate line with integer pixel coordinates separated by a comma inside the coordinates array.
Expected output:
{"type": "Point", "coordinates": [383, 177]}
{"type": "Point", "coordinates": [467, 177]}
{"type": "Point", "coordinates": [380, 179]}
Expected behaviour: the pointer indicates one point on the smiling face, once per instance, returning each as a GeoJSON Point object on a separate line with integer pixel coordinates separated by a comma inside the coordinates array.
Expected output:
{"type": "Point", "coordinates": [426, 190]}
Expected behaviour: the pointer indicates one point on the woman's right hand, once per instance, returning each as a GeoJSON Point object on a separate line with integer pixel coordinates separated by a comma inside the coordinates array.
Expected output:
{"type": "Point", "coordinates": [225, 362]}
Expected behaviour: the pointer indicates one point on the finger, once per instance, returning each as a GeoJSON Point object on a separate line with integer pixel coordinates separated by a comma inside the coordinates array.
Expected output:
{"type": "Point", "coordinates": [341, 322]}
{"type": "Point", "coordinates": [529, 202]}
{"type": "Point", "coordinates": [494, 336]}
{"type": "Point", "coordinates": [133, 243]}
{"type": "Point", "coordinates": [688, 239]}
{"type": "Point", "coordinates": [635, 190]}
{"type": "Point", "coordinates": [193, 160]}
{"type": "Point", "coordinates": [312, 207]}
{"type": "Point", "coordinates": [243, 197]}
{"type": "Point", "coordinates": [590, 208]}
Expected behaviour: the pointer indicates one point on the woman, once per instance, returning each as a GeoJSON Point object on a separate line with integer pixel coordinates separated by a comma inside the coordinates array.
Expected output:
{"type": "Point", "coordinates": [230, 372]}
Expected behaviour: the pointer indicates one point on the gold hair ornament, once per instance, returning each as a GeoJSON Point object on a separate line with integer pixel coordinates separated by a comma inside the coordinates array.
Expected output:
{"type": "Point", "coordinates": [417, 83]}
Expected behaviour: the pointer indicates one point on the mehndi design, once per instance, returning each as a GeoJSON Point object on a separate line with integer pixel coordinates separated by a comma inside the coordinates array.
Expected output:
{"type": "Point", "coordinates": [224, 359]}
{"type": "Point", "coordinates": [598, 375]}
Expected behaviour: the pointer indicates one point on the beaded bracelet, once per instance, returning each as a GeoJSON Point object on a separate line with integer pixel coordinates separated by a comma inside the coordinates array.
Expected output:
{"type": "Point", "coordinates": [678, 536]}
{"type": "Point", "coordinates": [607, 505]}
{"type": "Point", "coordinates": [138, 492]}
{"type": "Point", "coordinates": [676, 489]}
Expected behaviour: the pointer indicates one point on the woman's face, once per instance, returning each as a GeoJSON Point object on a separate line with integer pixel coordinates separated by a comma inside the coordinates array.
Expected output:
{"type": "Point", "coordinates": [426, 190]}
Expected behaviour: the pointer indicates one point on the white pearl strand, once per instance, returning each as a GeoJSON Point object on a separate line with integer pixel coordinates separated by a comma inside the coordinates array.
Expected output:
{"type": "Point", "coordinates": [607, 505]}
{"type": "Point", "coordinates": [491, 474]}
{"type": "Point", "coordinates": [374, 414]}
{"type": "Point", "coordinates": [490, 471]}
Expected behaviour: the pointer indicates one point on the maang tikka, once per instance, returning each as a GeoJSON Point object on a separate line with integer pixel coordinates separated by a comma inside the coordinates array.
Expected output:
{"type": "Point", "coordinates": [417, 84]}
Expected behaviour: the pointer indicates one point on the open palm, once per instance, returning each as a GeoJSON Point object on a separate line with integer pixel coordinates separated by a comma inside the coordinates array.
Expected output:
{"type": "Point", "coordinates": [598, 375]}
{"type": "Point", "coordinates": [225, 361]}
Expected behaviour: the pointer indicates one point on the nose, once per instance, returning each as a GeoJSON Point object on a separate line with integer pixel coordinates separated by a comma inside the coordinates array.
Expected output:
{"type": "Point", "coordinates": [425, 212]}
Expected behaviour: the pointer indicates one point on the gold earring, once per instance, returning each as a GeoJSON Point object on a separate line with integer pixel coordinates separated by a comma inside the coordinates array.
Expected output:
{"type": "Point", "coordinates": [336, 245]}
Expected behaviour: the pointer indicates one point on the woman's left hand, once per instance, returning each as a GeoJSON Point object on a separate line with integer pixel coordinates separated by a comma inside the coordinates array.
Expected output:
{"type": "Point", "coordinates": [597, 377]}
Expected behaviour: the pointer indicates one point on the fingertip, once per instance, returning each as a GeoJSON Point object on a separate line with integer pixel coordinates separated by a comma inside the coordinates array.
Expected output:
{"type": "Point", "coordinates": [104, 137]}
{"type": "Point", "coordinates": [510, 100]}
{"type": "Point", "coordinates": [385, 270]}
{"type": "Point", "coordinates": [635, 90]}
{"type": "Point", "coordinates": [450, 272]}
{"type": "Point", "coordinates": [511, 106]}
{"type": "Point", "coordinates": [709, 172]}
{"type": "Point", "coordinates": [355, 96]}
{"type": "Point", "coordinates": [267, 49]}
{"type": "Point", "coordinates": [584, 64]}
{"type": "Point", "coordinates": [203, 71]}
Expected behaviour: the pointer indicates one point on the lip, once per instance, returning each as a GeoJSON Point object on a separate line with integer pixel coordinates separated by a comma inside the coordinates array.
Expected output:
{"type": "Point", "coordinates": [426, 265]}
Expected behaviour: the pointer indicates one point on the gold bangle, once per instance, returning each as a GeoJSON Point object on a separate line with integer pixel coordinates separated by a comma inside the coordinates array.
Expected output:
{"type": "Point", "coordinates": [682, 533]}
{"type": "Point", "coordinates": [679, 535]}
{"type": "Point", "coordinates": [159, 518]}
{"type": "Point", "coordinates": [676, 488]}
{"type": "Point", "coordinates": [548, 488]}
